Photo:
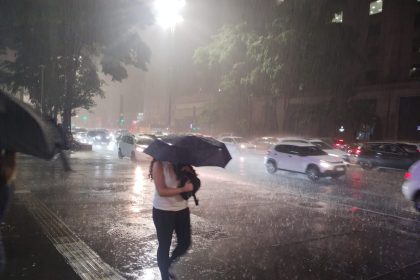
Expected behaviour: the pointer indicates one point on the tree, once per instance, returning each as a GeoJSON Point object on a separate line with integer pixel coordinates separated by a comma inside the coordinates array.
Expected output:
{"type": "Point", "coordinates": [298, 51]}
{"type": "Point", "coordinates": [73, 40]}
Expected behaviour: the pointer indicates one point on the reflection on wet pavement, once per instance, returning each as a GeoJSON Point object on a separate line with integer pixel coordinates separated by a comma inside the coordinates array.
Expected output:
{"type": "Point", "coordinates": [249, 225]}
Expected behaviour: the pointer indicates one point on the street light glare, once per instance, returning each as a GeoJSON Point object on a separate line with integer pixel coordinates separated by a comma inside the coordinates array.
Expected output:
{"type": "Point", "coordinates": [168, 12]}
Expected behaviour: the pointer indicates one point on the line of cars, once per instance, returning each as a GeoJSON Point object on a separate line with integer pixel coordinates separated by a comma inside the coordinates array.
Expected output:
{"type": "Point", "coordinates": [313, 157]}
{"type": "Point", "coordinates": [317, 158]}
{"type": "Point", "coordinates": [395, 155]}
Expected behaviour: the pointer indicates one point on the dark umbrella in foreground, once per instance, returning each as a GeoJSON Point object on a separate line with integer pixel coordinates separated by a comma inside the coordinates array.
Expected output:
{"type": "Point", "coordinates": [23, 130]}
{"type": "Point", "coordinates": [190, 149]}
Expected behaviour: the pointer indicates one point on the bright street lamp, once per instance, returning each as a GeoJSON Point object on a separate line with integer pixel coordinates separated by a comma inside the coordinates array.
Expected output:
{"type": "Point", "coordinates": [168, 13]}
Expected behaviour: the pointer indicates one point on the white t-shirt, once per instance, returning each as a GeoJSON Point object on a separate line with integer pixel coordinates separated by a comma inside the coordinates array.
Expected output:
{"type": "Point", "coordinates": [169, 203]}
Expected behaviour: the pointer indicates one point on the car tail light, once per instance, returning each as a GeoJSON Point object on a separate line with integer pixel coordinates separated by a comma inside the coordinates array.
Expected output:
{"type": "Point", "coordinates": [358, 151]}
{"type": "Point", "coordinates": [407, 176]}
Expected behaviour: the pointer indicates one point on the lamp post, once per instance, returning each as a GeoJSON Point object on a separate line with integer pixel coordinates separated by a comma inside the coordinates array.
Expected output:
{"type": "Point", "coordinates": [168, 15]}
{"type": "Point", "coordinates": [42, 67]}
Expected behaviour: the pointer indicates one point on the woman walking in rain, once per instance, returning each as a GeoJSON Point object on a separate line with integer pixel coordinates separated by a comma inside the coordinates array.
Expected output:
{"type": "Point", "coordinates": [170, 213]}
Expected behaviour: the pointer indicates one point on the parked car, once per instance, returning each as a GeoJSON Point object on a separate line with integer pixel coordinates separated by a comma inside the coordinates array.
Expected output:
{"type": "Point", "coordinates": [303, 158]}
{"type": "Point", "coordinates": [98, 137]}
{"type": "Point", "coordinates": [387, 155]}
{"type": "Point", "coordinates": [320, 144]}
{"type": "Point", "coordinates": [133, 147]}
{"type": "Point", "coordinates": [411, 186]}
{"type": "Point", "coordinates": [237, 144]}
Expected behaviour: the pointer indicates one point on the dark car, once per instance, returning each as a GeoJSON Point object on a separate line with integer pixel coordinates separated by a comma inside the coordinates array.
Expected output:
{"type": "Point", "coordinates": [388, 155]}
{"type": "Point", "coordinates": [98, 137]}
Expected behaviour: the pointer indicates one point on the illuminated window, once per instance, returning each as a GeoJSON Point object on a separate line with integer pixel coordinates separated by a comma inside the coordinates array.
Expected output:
{"type": "Point", "coordinates": [375, 7]}
{"type": "Point", "coordinates": [338, 17]}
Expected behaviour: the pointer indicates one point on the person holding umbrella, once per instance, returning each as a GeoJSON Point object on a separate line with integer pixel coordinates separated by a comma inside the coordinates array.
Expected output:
{"type": "Point", "coordinates": [170, 213]}
{"type": "Point", "coordinates": [22, 130]}
{"type": "Point", "coordinates": [174, 156]}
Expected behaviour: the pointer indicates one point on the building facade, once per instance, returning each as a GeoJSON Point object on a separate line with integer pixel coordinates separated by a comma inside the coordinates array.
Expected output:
{"type": "Point", "coordinates": [389, 77]}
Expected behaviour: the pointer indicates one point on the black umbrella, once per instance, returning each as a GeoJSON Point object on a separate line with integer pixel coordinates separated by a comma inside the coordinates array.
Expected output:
{"type": "Point", "coordinates": [190, 149]}
{"type": "Point", "coordinates": [23, 130]}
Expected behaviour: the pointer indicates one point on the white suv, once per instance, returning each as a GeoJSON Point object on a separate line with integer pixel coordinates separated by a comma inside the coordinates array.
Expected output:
{"type": "Point", "coordinates": [303, 158]}
{"type": "Point", "coordinates": [411, 186]}
{"type": "Point", "coordinates": [320, 144]}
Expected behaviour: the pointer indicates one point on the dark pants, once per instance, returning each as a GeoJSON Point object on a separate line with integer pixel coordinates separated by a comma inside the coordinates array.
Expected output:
{"type": "Point", "coordinates": [166, 222]}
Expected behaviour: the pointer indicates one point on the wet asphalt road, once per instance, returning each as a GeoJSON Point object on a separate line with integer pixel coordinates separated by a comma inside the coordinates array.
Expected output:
{"type": "Point", "coordinates": [249, 224]}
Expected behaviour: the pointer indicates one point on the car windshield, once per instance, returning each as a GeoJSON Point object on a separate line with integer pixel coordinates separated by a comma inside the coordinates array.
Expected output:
{"type": "Point", "coordinates": [322, 145]}
{"type": "Point", "coordinates": [311, 151]}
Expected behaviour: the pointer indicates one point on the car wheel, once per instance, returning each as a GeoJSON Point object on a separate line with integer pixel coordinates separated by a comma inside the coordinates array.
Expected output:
{"type": "Point", "coordinates": [271, 167]}
{"type": "Point", "coordinates": [120, 155]}
{"type": "Point", "coordinates": [417, 202]}
{"type": "Point", "coordinates": [133, 156]}
{"type": "Point", "coordinates": [313, 173]}
{"type": "Point", "coordinates": [367, 165]}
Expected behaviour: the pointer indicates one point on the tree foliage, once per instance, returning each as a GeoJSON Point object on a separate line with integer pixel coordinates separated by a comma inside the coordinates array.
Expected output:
{"type": "Point", "coordinates": [298, 48]}
{"type": "Point", "coordinates": [72, 40]}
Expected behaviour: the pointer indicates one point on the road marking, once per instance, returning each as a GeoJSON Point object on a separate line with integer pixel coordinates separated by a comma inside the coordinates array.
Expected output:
{"type": "Point", "coordinates": [84, 261]}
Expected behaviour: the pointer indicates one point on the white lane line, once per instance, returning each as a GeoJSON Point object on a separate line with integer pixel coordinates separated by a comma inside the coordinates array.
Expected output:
{"type": "Point", "coordinates": [84, 261]}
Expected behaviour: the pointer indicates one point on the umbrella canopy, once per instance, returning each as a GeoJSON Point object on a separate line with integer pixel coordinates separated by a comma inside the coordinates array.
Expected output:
{"type": "Point", "coordinates": [23, 130]}
{"type": "Point", "coordinates": [190, 149]}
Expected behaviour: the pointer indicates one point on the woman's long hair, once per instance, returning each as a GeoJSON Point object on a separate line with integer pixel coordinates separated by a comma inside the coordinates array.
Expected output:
{"type": "Point", "coordinates": [151, 169]}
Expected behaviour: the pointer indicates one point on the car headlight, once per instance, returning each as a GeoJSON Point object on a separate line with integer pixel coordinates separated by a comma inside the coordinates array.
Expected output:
{"type": "Point", "coordinates": [98, 137]}
{"type": "Point", "coordinates": [324, 164]}
{"type": "Point", "coordinates": [243, 146]}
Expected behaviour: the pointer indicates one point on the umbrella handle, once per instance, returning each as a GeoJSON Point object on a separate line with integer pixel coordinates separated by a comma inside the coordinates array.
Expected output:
{"type": "Point", "coordinates": [195, 200]}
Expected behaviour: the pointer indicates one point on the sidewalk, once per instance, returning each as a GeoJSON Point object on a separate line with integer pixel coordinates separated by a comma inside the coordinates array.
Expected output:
{"type": "Point", "coordinates": [29, 253]}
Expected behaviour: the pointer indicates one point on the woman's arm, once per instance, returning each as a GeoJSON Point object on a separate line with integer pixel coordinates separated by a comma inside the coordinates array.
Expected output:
{"type": "Point", "coordinates": [160, 185]}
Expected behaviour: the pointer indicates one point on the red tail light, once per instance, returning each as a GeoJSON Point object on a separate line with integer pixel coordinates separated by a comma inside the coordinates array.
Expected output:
{"type": "Point", "coordinates": [358, 151]}
{"type": "Point", "coordinates": [407, 176]}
